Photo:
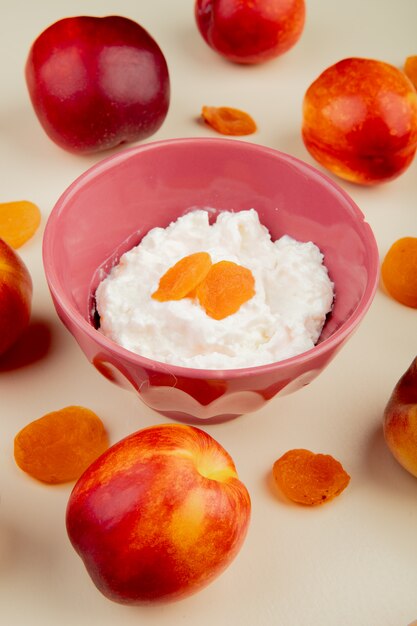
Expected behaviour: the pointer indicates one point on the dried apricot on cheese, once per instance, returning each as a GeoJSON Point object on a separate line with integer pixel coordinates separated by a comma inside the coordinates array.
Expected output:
{"type": "Point", "coordinates": [19, 220]}
{"type": "Point", "coordinates": [309, 478]}
{"type": "Point", "coordinates": [228, 121]}
{"type": "Point", "coordinates": [59, 446]}
{"type": "Point", "coordinates": [225, 288]}
{"type": "Point", "coordinates": [399, 271]}
{"type": "Point", "coordinates": [410, 69]}
{"type": "Point", "coordinates": [183, 277]}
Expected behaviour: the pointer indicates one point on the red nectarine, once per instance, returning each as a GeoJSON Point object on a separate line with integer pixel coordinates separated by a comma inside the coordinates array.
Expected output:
{"type": "Point", "coordinates": [400, 420]}
{"type": "Point", "coordinates": [15, 296]}
{"type": "Point", "coordinates": [250, 31]}
{"type": "Point", "coordinates": [159, 515]}
{"type": "Point", "coordinates": [360, 120]}
{"type": "Point", "coordinates": [97, 82]}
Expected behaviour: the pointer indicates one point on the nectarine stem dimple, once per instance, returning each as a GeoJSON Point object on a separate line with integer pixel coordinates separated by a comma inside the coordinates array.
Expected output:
{"type": "Point", "coordinates": [221, 475]}
{"type": "Point", "coordinates": [215, 467]}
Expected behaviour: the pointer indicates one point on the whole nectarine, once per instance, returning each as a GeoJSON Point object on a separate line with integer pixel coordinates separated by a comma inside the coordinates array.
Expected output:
{"type": "Point", "coordinates": [360, 120]}
{"type": "Point", "coordinates": [250, 31]}
{"type": "Point", "coordinates": [400, 420]}
{"type": "Point", "coordinates": [97, 82]}
{"type": "Point", "coordinates": [15, 296]}
{"type": "Point", "coordinates": [159, 515]}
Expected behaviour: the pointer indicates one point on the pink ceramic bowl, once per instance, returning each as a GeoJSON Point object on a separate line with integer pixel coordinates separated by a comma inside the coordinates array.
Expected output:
{"type": "Point", "coordinates": [110, 207]}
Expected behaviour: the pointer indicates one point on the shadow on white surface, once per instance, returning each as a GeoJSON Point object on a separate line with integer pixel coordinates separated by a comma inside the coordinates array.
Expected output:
{"type": "Point", "coordinates": [383, 469]}
{"type": "Point", "coordinates": [33, 346]}
{"type": "Point", "coordinates": [274, 491]}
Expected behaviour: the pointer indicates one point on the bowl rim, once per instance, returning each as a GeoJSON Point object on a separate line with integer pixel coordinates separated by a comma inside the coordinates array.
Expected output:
{"type": "Point", "coordinates": [326, 346]}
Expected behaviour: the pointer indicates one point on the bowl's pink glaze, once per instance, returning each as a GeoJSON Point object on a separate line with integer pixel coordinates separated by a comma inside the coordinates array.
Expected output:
{"type": "Point", "coordinates": [110, 207]}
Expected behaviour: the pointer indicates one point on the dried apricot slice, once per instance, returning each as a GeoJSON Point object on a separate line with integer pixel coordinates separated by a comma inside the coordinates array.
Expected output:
{"type": "Point", "coordinates": [410, 69]}
{"type": "Point", "coordinates": [59, 446]}
{"type": "Point", "coordinates": [228, 121]}
{"type": "Point", "coordinates": [399, 271]}
{"type": "Point", "coordinates": [309, 478]}
{"type": "Point", "coordinates": [183, 277]}
{"type": "Point", "coordinates": [225, 288]}
{"type": "Point", "coordinates": [19, 220]}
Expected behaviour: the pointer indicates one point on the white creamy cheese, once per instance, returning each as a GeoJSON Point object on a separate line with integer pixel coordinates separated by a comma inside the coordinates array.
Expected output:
{"type": "Point", "coordinates": [284, 318]}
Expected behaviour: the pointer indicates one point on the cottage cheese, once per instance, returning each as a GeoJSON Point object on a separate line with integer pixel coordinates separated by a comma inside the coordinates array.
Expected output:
{"type": "Point", "coordinates": [284, 318]}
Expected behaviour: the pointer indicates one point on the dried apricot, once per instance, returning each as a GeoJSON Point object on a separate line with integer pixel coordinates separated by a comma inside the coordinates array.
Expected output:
{"type": "Point", "coordinates": [183, 277]}
{"type": "Point", "coordinates": [59, 446]}
{"type": "Point", "coordinates": [228, 121]}
{"type": "Point", "coordinates": [19, 221]}
{"type": "Point", "coordinates": [399, 271]}
{"type": "Point", "coordinates": [309, 478]}
{"type": "Point", "coordinates": [225, 288]}
{"type": "Point", "coordinates": [410, 69]}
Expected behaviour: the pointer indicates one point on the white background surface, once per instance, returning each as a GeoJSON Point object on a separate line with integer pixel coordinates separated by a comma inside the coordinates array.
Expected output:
{"type": "Point", "coordinates": [352, 562]}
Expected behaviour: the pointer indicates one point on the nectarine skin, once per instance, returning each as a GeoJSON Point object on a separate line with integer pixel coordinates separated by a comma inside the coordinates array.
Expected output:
{"type": "Point", "coordinates": [159, 515]}
{"type": "Point", "coordinates": [250, 31]}
{"type": "Point", "coordinates": [97, 82]}
{"type": "Point", "coordinates": [360, 120]}
{"type": "Point", "coordinates": [15, 296]}
{"type": "Point", "coordinates": [400, 420]}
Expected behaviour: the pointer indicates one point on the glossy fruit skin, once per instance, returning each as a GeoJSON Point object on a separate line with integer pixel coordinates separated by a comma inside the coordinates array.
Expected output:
{"type": "Point", "coordinates": [97, 82]}
{"type": "Point", "coordinates": [400, 420]}
{"type": "Point", "coordinates": [159, 515]}
{"type": "Point", "coordinates": [360, 120]}
{"type": "Point", "coordinates": [15, 297]}
{"type": "Point", "coordinates": [250, 31]}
